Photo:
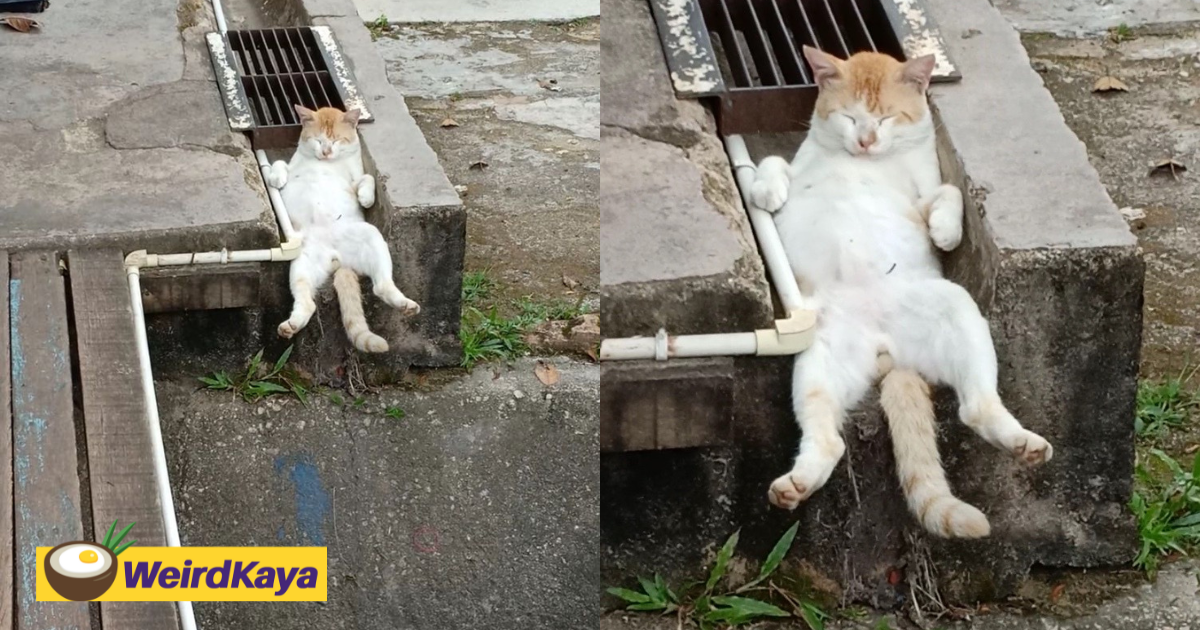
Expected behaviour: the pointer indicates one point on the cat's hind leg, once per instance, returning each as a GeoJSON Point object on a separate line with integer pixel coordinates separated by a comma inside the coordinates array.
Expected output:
{"type": "Point", "coordinates": [307, 274]}
{"type": "Point", "coordinates": [362, 248]}
{"type": "Point", "coordinates": [938, 330]}
{"type": "Point", "coordinates": [828, 378]}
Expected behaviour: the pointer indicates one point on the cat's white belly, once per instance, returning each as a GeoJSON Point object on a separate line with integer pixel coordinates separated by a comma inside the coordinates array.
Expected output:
{"type": "Point", "coordinates": [315, 199]}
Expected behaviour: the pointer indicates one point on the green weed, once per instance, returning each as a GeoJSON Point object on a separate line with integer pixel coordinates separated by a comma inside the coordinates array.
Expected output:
{"type": "Point", "coordinates": [714, 604]}
{"type": "Point", "coordinates": [1167, 511]}
{"type": "Point", "coordinates": [395, 413]}
{"type": "Point", "coordinates": [1120, 33]}
{"type": "Point", "coordinates": [378, 27]}
{"type": "Point", "coordinates": [1164, 404]}
{"type": "Point", "coordinates": [261, 380]}
{"type": "Point", "coordinates": [491, 333]}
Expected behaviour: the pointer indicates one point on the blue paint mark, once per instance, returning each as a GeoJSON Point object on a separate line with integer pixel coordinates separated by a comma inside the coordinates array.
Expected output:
{"type": "Point", "coordinates": [14, 313]}
{"type": "Point", "coordinates": [280, 534]}
{"type": "Point", "coordinates": [312, 502]}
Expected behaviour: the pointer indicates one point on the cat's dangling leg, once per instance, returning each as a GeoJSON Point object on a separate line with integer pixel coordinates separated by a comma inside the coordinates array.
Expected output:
{"type": "Point", "coordinates": [307, 274]}
{"type": "Point", "coordinates": [829, 378]}
{"type": "Point", "coordinates": [349, 294]}
{"type": "Point", "coordinates": [938, 330]}
{"type": "Point", "coordinates": [362, 248]}
{"type": "Point", "coordinates": [906, 403]}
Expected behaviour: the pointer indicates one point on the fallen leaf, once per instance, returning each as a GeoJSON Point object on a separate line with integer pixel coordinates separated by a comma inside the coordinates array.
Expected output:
{"type": "Point", "coordinates": [546, 373]}
{"type": "Point", "coordinates": [1109, 84]}
{"type": "Point", "coordinates": [1136, 217]}
{"type": "Point", "coordinates": [1057, 592]}
{"type": "Point", "coordinates": [1192, 449]}
{"type": "Point", "coordinates": [1168, 167]}
{"type": "Point", "coordinates": [569, 282]}
{"type": "Point", "coordinates": [593, 354]}
{"type": "Point", "coordinates": [549, 84]}
{"type": "Point", "coordinates": [478, 166]}
{"type": "Point", "coordinates": [18, 23]}
{"type": "Point", "coordinates": [449, 122]}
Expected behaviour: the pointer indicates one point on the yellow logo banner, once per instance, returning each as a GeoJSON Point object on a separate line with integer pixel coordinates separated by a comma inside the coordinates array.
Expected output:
{"type": "Point", "coordinates": [83, 572]}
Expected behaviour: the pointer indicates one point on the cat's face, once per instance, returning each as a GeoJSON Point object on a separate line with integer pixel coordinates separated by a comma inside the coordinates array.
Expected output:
{"type": "Point", "coordinates": [870, 104]}
{"type": "Point", "coordinates": [328, 133]}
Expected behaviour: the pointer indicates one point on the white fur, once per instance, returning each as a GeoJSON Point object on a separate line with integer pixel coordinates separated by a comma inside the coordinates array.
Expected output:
{"type": "Point", "coordinates": [857, 226]}
{"type": "Point", "coordinates": [323, 198]}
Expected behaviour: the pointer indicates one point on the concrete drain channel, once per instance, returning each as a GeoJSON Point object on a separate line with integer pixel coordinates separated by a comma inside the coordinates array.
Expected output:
{"type": "Point", "coordinates": [261, 74]}
{"type": "Point", "coordinates": [743, 57]}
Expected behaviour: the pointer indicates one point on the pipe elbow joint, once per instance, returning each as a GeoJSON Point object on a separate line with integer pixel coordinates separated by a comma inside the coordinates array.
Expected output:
{"type": "Point", "coordinates": [789, 336]}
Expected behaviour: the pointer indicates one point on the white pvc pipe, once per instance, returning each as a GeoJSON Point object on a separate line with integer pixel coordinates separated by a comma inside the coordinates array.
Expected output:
{"type": "Point", "coordinates": [220, 15]}
{"type": "Point", "coordinates": [764, 228]}
{"type": "Point", "coordinates": [663, 346]}
{"type": "Point", "coordinates": [162, 480]}
{"type": "Point", "coordinates": [285, 221]}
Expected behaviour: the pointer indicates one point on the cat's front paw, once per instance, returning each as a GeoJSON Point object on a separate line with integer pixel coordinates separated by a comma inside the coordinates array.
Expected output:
{"type": "Point", "coordinates": [1030, 447]}
{"type": "Point", "coordinates": [366, 191]}
{"type": "Point", "coordinates": [287, 329]}
{"type": "Point", "coordinates": [769, 193]}
{"type": "Point", "coordinates": [276, 175]}
{"type": "Point", "coordinates": [946, 218]}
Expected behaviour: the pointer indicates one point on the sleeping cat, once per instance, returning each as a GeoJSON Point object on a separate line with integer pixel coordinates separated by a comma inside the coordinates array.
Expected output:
{"type": "Point", "coordinates": [322, 189]}
{"type": "Point", "coordinates": [857, 210]}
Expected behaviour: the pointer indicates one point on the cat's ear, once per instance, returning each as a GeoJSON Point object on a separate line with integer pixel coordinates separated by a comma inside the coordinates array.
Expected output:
{"type": "Point", "coordinates": [351, 116]}
{"type": "Point", "coordinates": [306, 115]}
{"type": "Point", "coordinates": [825, 66]}
{"type": "Point", "coordinates": [919, 71]}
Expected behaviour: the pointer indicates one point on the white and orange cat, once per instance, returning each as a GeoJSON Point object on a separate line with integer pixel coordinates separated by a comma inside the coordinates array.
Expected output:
{"type": "Point", "coordinates": [859, 211]}
{"type": "Point", "coordinates": [323, 188]}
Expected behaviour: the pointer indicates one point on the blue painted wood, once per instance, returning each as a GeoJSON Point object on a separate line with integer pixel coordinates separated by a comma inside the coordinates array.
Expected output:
{"type": "Point", "coordinates": [46, 489]}
{"type": "Point", "coordinates": [6, 468]}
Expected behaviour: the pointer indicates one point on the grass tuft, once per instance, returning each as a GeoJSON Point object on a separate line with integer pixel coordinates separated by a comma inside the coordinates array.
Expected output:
{"type": "Point", "coordinates": [1164, 404]}
{"type": "Point", "coordinates": [714, 603]}
{"type": "Point", "coordinates": [1167, 511]}
{"type": "Point", "coordinates": [261, 380]}
{"type": "Point", "coordinates": [490, 332]}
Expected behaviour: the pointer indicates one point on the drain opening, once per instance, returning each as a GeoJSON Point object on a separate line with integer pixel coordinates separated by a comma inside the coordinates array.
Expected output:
{"type": "Point", "coordinates": [264, 72]}
{"type": "Point", "coordinates": [747, 53]}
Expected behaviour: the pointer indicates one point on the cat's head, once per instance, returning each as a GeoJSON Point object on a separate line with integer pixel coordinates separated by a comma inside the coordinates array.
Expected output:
{"type": "Point", "coordinates": [328, 133]}
{"type": "Point", "coordinates": [870, 104]}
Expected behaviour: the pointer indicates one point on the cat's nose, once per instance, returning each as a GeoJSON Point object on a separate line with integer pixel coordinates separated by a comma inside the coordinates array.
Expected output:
{"type": "Point", "coordinates": [865, 142]}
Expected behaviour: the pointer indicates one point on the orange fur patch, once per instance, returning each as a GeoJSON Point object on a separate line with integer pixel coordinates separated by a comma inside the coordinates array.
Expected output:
{"type": "Point", "coordinates": [329, 122]}
{"type": "Point", "coordinates": [876, 80]}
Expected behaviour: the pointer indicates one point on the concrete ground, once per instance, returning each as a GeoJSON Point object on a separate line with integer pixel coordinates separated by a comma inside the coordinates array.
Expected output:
{"type": "Point", "coordinates": [512, 110]}
{"type": "Point", "coordinates": [476, 10]}
{"type": "Point", "coordinates": [479, 508]}
{"type": "Point", "coordinates": [96, 149]}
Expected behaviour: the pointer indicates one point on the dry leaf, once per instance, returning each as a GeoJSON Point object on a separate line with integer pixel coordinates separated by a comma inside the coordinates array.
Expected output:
{"type": "Point", "coordinates": [478, 166]}
{"type": "Point", "coordinates": [593, 354]}
{"type": "Point", "coordinates": [569, 282]}
{"type": "Point", "coordinates": [1109, 84]}
{"type": "Point", "coordinates": [1168, 167]}
{"type": "Point", "coordinates": [546, 373]}
{"type": "Point", "coordinates": [449, 122]}
{"type": "Point", "coordinates": [549, 84]}
{"type": "Point", "coordinates": [19, 23]}
{"type": "Point", "coordinates": [1192, 449]}
{"type": "Point", "coordinates": [1057, 592]}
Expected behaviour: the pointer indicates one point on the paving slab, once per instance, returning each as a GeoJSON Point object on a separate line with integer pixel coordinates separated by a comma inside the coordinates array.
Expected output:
{"type": "Point", "coordinates": [512, 110]}
{"type": "Point", "coordinates": [477, 509]}
{"type": "Point", "coordinates": [1090, 17]}
{"type": "Point", "coordinates": [476, 10]}
{"type": "Point", "coordinates": [122, 140]}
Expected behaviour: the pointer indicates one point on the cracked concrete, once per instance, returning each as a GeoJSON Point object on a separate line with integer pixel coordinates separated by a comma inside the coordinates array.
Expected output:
{"type": "Point", "coordinates": [676, 246]}
{"type": "Point", "coordinates": [122, 140]}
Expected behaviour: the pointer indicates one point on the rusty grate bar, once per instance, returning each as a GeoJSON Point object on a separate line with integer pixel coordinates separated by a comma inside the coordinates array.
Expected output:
{"type": "Point", "coordinates": [747, 52]}
{"type": "Point", "coordinates": [263, 73]}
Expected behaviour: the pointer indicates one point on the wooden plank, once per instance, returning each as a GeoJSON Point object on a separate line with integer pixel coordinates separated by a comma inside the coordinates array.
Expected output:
{"type": "Point", "coordinates": [6, 469]}
{"type": "Point", "coordinates": [172, 289]}
{"type": "Point", "coordinates": [46, 492]}
{"type": "Point", "coordinates": [120, 459]}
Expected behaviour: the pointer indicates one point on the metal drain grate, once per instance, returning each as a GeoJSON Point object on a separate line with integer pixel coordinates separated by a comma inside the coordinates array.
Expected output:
{"type": "Point", "coordinates": [263, 73]}
{"type": "Point", "coordinates": [747, 52]}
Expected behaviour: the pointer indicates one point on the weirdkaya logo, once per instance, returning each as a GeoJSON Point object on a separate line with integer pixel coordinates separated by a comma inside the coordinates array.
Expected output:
{"type": "Point", "coordinates": [84, 571]}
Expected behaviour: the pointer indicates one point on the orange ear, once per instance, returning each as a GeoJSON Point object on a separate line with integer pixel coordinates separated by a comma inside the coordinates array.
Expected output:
{"type": "Point", "coordinates": [825, 66]}
{"type": "Point", "coordinates": [306, 115]}
{"type": "Point", "coordinates": [352, 116]}
{"type": "Point", "coordinates": [919, 71]}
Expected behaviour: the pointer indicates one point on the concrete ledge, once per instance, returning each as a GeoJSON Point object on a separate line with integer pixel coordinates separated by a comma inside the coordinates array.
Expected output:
{"type": "Point", "coordinates": [676, 246]}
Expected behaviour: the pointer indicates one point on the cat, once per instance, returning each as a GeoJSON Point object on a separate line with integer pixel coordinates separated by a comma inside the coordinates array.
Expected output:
{"type": "Point", "coordinates": [859, 210]}
{"type": "Point", "coordinates": [323, 188]}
